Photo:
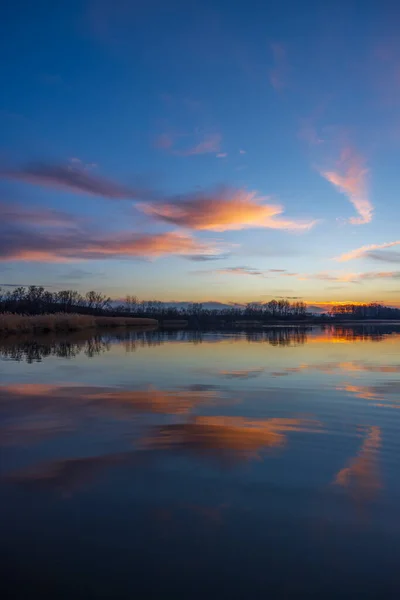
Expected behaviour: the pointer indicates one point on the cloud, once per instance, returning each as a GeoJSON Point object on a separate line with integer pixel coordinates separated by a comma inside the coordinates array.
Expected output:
{"type": "Point", "coordinates": [240, 271]}
{"type": "Point", "coordinates": [43, 217]}
{"type": "Point", "coordinates": [165, 141]}
{"type": "Point", "coordinates": [222, 154]}
{"type": "Point", "coordinates": [390, 257]}
{"type": "Point", "coordinates": [366, 251]}
{"type": "Point", "coordinates": [278, 74]}
{"type": "Point", "coordinates": [379, 275]}
{"type": "Point", "coordinates": [205, 144]}
{"type": "Point", "coordinates": [74, 274]}
{"type": "Point", "coordinates": [207, 257]}
{"type": "Point", "coordinates": [22, 245]}
{"type": "Point", "coordinates": [63, 238]}
{"type": "Point", "coordinates": [223, 210]}
{"type": "Point", "coordinates": [351, 179]}
{"type": "Point", "coordinates": [65, 248]}
{"type": "Point", "coordinates": [15, 285]}
{"type": "Point", "coordinates": [75, 179]}
{"type": "Point", "coordinates": [352, 277]}
{"type": "Point", "coordinates": [210, 144]}
{"type": "Point", "coordinates": [242, 151]}
{"type": "Point", "coordinates": [244, 270]}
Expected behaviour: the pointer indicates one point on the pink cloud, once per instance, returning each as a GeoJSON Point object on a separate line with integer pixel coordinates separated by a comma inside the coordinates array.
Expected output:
{"type": "Point", "coordinates": [223, 211]}
{"type": "Point", "coordinates": [164, 141]}
{"type": "Point", "coordinates": [364, 250]}
{"type": "Point", "coordinates": [210, 144]}
{"type": "Point", "coordinates": [84, 247]}
{"type": "Point", "coordinates": [351, 179]}
{"type": "Point", "coordinates": [278, 73]}
{"type": "Point", "coordinates": [351, 277]}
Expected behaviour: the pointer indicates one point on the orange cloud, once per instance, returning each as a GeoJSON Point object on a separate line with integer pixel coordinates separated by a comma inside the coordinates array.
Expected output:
{"type": "Point", "coordinates": [224, 211]}
{"type": "Point", "coordinates": [350, 179]}
{"type": "Point", "coordinates": [364, 250]}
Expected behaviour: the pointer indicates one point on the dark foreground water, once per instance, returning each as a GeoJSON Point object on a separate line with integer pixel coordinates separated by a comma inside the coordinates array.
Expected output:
{"type": "Point", "coordinates": [187, 465]}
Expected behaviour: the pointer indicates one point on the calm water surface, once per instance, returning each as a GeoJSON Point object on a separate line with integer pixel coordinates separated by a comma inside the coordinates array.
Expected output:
{"type": "Point", "coordinates": [188, 465]}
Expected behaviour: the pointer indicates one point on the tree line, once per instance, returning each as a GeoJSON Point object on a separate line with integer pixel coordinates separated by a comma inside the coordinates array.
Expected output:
{"type": "Point", "coordinates": [37, 300]}
{"type": "Point", "coordinates": [374, 310]}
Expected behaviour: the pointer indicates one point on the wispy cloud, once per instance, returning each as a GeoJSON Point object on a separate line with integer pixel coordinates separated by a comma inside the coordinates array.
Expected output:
{"type": "Point", "coordinates": [224, 210]}
{"type": "Point", "coordinates": [43, 235]}
{"type": "Point", "coordinates": [351, 277]}
{"type": "Point", "coordinates": [222, 154]}
{"type": "Point", "coordinates": [73, 178]}
{"type": "Point", "coordinates": [279, 72]}
{"type": "Point", "coordinates": [366, 251]}
{"type": "Point", "coordinates": [390, 257]}
{"type": "Point", "coordinates": [350, 177]}
{"type": "Point", "coordinates": [209, 143]}
{"type": "Point", "coordinates": [240, 271]}
{"type": "Point", "coordinates": [44, 217]}
{"type": "Point", "coordinates": [17, 245]}
{"type": "Point", "coordinates": [208, 257]}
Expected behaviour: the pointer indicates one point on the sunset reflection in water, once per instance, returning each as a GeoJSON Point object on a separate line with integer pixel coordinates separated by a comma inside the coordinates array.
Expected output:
{"type": "Point", "coordinates": [273, 437]}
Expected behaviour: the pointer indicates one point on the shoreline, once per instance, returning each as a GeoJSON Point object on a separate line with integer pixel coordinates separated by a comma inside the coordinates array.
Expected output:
{"type": "Point", "coordinates": [15, 325]}
{"type": "Point", "coordinates": [12, 324]}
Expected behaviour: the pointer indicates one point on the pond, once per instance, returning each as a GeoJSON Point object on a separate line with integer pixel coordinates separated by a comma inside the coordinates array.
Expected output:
{"type": "Point", "coordinates": [200, 465]}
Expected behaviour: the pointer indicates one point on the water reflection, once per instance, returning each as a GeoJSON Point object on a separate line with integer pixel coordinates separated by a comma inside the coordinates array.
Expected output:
{"type": "Point", "coordinates": [281, 427]}
{"type": "Point", "coordinates": [361, 476]}
{"type": "Point", "coordinates": [71, 345]}
{"type": "Point", "coordinates": [69, 475]}
{"type": "Point", "coordinates": [229, 437]}
{"type": "Point", "coordinates": [36, 408]}
{"type": "Point", "coordinates": [383, 391]}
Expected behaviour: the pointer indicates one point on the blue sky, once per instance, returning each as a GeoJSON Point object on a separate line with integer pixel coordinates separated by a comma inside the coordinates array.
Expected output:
{"type": "Point", "coordinates": [229, 151]}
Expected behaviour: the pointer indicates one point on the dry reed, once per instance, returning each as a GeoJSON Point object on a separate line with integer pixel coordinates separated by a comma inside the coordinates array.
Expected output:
{"type": "Point", "coordinates": [11, 323]}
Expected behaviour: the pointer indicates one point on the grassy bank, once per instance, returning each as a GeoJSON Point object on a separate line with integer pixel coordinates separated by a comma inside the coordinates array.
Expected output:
{"type": "Point", "coordinates": [11, 323]}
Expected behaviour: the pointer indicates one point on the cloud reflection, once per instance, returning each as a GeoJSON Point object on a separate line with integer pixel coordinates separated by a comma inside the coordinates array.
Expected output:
{"type": "Point", "coordinates": [361, 476]}
{"type": "Point", "coordinates": [228, 437]}
{"type": "Point", "coordinates": [56, 397]}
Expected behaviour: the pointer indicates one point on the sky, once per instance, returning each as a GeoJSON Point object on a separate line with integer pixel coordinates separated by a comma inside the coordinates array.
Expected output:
{"type": "Point", "coordinates": [218, 150]}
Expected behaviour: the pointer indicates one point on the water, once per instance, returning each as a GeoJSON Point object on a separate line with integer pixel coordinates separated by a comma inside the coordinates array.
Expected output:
{"type": "Point", "coordinates": [190, 465]}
